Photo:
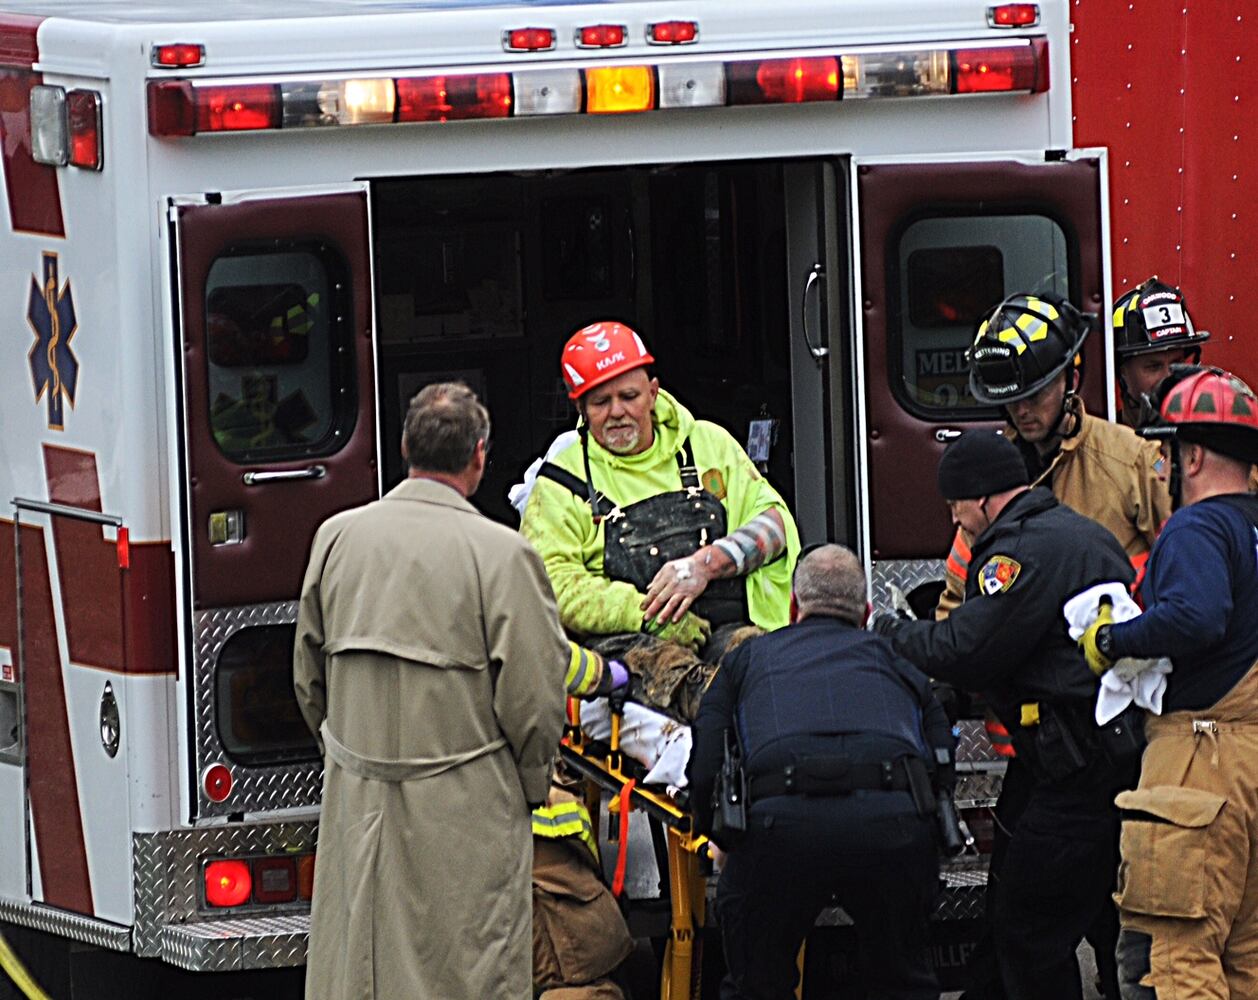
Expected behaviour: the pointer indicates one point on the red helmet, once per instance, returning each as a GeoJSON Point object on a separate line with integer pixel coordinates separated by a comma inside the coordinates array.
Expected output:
{"type": "Point", "coordinates": [598, 353]}
{"type": "Point", "coordinates": [1210, 407]}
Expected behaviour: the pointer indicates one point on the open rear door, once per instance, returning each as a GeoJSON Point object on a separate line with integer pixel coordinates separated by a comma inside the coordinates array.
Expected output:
{"type": "Point", "coordinates": [939, 244]}
{"type": "Point", "coordinates": [279, 433]}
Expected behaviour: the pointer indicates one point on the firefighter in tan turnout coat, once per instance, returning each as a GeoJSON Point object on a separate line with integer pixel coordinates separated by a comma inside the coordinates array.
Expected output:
{"type": "Point", "coordinates": [430, 660]}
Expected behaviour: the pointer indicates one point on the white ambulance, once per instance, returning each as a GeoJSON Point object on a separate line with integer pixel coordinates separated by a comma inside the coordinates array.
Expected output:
{"type": "Point", "coordinates": [235, 238]}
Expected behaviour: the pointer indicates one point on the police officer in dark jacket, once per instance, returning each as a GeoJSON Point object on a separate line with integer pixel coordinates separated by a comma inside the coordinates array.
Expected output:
{"type": "Point", "coordinates": [838, 734]}
{"type": "Point", "coordinates": [1009, 641]}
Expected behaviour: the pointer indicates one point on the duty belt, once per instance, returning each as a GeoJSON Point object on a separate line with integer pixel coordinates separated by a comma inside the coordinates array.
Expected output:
{"type": "Point", "coordinates": [836, 776]}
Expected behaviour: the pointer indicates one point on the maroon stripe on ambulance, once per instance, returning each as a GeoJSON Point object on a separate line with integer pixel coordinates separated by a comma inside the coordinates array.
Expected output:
{"type": "Point", "coordinates": [32, 188]}
{"type": "Point", "coordinates": [19, 40]}
{"type": "Point", "coordinates": [53, 785]}
{"type": "Point", "coordinates": [115, 619]}
{"type": "Point", "coordinates": [87, 564]}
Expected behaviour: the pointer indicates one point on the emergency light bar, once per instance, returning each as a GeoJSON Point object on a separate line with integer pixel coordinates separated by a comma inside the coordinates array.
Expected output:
{"type": "Point", "coordinates": [192, 107]}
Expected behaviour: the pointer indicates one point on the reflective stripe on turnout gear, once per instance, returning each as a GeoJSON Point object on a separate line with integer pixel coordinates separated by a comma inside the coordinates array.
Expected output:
{"type": "Point", "coordinates": [585, 670]}
{"type": "Point", "coordinates": [406, 769]}
{"type": "Point", "coordinates": [1001, 741]}
{"type": "Point", "coordinates": [958, 561]}
{"type": "Point", "coordinates": [565, 819]}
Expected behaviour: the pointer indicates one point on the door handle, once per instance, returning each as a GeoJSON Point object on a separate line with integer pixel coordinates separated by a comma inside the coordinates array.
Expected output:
{"type": "Point", "coordinates": [259, 478]}
{"type": "Point", "coordinates": [945, 434]}
{"type": "Point", "coordinates": [817, 273]}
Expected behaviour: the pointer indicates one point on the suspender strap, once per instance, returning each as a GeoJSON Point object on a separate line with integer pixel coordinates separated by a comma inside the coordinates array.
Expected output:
{"type": "Point", "coordinates": [600, 504]}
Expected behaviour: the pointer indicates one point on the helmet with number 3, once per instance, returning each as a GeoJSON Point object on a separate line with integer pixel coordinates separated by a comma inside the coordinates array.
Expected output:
{"type": "Point", "coordinates": [1153, 316]}
{"type": "Point", "coordinates": [599, 353]}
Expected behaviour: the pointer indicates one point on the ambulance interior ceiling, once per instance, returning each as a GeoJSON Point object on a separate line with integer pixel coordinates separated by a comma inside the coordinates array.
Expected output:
{"type": "Point", "coordinates": [484, 278]}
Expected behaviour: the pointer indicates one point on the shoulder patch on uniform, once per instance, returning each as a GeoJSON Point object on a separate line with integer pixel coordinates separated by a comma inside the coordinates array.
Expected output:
{"type": "Point", "coordinates": [998, 575]}
{"type": "Point", "coordinates": [714, 483]}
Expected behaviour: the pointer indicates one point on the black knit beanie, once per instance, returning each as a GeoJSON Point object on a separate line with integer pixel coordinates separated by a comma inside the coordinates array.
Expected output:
{"type": "Point", "coordinates": [980, 463]}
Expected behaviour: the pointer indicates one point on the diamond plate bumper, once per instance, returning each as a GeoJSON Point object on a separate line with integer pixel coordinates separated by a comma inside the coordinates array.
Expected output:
{"type": "Point", "coordinates": [236, 945]}
{"type": "Point", "coordinates": [74, 926]}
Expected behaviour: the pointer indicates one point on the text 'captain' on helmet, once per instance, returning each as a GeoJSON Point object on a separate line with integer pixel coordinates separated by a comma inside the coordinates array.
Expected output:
{"type": "Point", "coordinates": [1153, 316]}
{"type": "Point", "coordinates": [1023, 344]}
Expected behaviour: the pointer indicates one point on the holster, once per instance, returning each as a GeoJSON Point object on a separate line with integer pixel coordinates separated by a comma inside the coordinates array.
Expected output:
{"type": "Point", "coordinates": [729, 795]}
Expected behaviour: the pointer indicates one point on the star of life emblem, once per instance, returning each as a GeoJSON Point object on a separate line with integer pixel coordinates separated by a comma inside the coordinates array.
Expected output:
{"type": "Point", "coordinates": [54, 368]}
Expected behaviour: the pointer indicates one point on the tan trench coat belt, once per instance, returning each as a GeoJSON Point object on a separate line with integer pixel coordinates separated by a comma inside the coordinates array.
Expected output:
{"type": "Point", "coordinates": [376, 769]}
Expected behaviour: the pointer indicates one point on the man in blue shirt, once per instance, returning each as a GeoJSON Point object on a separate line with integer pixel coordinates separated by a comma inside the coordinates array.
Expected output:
{"type": "Point", "coordinates": [838, 734]}
{"type": "Point", "coordinates": [1188, 884]}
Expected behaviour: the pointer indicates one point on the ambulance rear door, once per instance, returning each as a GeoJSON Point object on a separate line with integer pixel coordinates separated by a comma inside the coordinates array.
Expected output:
{"type": "Point", "coordinates": [938, 244]}
{"type": "Point", "coordinates": [278, 432]}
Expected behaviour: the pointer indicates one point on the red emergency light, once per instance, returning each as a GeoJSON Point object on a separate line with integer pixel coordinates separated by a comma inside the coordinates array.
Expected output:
{"type": "Point", "coordinates": [997, 70]}
{"type": "Point", "coordinates": [528, 39]}
{"type": "Point", "coordinates": [227, 883]}
{"type": "Point", "coordinates": [783, 81]}
{"type": "Point", "coordinates": [178, 108]}
{"type": "Point", "coordinates": [1014, 15]}
{"type": "Point", "coordinates": [180, 55]}
{"type": "Point", "coordinates": [443, 98]}
{"type": "Point", "coordinates": [672, 32]}
{"type": "Point", "coordinates": [83, 119]}
{"type": "Point", "coordinates": [601, 36]}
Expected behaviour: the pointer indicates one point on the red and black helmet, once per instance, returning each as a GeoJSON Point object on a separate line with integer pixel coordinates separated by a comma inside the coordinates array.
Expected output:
{"type": "Point", "coordinates": [1153, 316]}
{"type": "Point", "coordinates": [1210, 407]}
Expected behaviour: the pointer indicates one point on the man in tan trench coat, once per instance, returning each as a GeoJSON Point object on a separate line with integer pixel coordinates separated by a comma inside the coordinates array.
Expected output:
{"type": "Point", "coordinates": [430, 661]}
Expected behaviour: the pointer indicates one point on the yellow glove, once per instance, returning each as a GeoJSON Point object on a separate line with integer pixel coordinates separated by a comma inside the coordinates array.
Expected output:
{"type": "Point", "coordinates": [1098, 662]}
{"type": "Point", "coordinates": [692, 631]}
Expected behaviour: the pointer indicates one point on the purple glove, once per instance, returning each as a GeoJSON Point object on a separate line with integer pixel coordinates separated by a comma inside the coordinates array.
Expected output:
{"type": "Point", "coordinates": [620, 674]}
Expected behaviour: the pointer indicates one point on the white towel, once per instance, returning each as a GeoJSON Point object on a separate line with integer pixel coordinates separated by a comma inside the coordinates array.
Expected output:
{"type": "Point", "coordinates": [519, 493]}
{"type": "Point", "coordinates": [1129, 679]}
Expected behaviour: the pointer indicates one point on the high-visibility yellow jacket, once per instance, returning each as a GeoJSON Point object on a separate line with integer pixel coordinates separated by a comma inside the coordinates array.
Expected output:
{"type": "Point", "coordinates": [562, 529]}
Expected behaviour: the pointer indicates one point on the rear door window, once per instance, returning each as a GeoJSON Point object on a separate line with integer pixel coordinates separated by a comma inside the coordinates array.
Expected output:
{"type": "Point", "coordinates": [280, 382]}
{"type": "Point", "coordinates": [951, 271]}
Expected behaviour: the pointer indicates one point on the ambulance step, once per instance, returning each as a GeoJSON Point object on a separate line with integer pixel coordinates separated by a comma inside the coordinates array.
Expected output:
{"type": "Point", "coordinates": [237, 944]}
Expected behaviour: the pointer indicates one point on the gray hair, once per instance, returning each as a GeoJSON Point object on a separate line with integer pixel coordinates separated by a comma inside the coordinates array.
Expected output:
{"type": "Point", "coordinates": [443, 423]}
{"type": "Point", "coordinates": [830, 581]}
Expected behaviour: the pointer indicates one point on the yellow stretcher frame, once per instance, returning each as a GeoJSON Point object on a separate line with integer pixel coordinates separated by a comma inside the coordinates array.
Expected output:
{"type": "Point", "coordinates": [604, 771]}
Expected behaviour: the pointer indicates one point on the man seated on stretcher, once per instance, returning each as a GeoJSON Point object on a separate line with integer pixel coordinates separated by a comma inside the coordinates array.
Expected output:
{"type": "Point", "coordinates": [648, 520]}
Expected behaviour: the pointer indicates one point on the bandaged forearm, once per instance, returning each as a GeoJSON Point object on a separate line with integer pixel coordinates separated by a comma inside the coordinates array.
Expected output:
{"type": "Point", "coordinates": [759, 541]}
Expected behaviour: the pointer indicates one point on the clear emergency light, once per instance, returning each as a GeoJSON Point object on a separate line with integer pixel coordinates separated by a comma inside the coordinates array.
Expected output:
{"type": "Point", "coordinates": [191, 107]}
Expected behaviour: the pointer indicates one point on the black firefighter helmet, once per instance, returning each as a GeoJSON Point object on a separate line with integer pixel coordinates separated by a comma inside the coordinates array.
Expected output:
{"type": "Point", "coordinates": [1022, 345]}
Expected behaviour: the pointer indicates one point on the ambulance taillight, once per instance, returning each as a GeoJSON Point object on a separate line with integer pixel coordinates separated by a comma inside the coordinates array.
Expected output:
{"type": "Point", "coordinates": [179, 55]}
{"type": "Point", "coordinates": [999, 70]}
{"type": "Point", "coordinates": [672, 33]}
{"type": "Point", "coordinates": [305, 876]}
{"type": "Point", "coordinates": [83, 115]}
{"type": "Point", "coordinates": [1014, 15]}
{"type": "Point", "coordinates": [448, 98]}
{"type": "Point", "coordinates": [227, 883]}
{"type": "Point", "coordinates": [274, 880]}
{"type": "Point", "coordinates": [601, 36]}
{"type": "Point", "coordinates": [528, 39]}
{"type": "Point", "coordinates": [617, 89]}
{"type": "Point", "coordinates": [783, 81]}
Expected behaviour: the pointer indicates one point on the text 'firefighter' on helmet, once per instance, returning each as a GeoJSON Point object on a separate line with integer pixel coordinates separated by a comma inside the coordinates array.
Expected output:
{"type": "Point", "coordinates": [1022, 345]}
{"type": "Point", "coordinates": [1210, 407]}
{"type": "Point", "coordinates": [598, 353]}
{"type": "Point", "coordinates": [1153, 316]}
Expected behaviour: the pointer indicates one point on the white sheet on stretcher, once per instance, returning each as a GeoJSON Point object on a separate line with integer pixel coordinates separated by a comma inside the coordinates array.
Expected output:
{"type": "Point", "coordinates": [651, 738]}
